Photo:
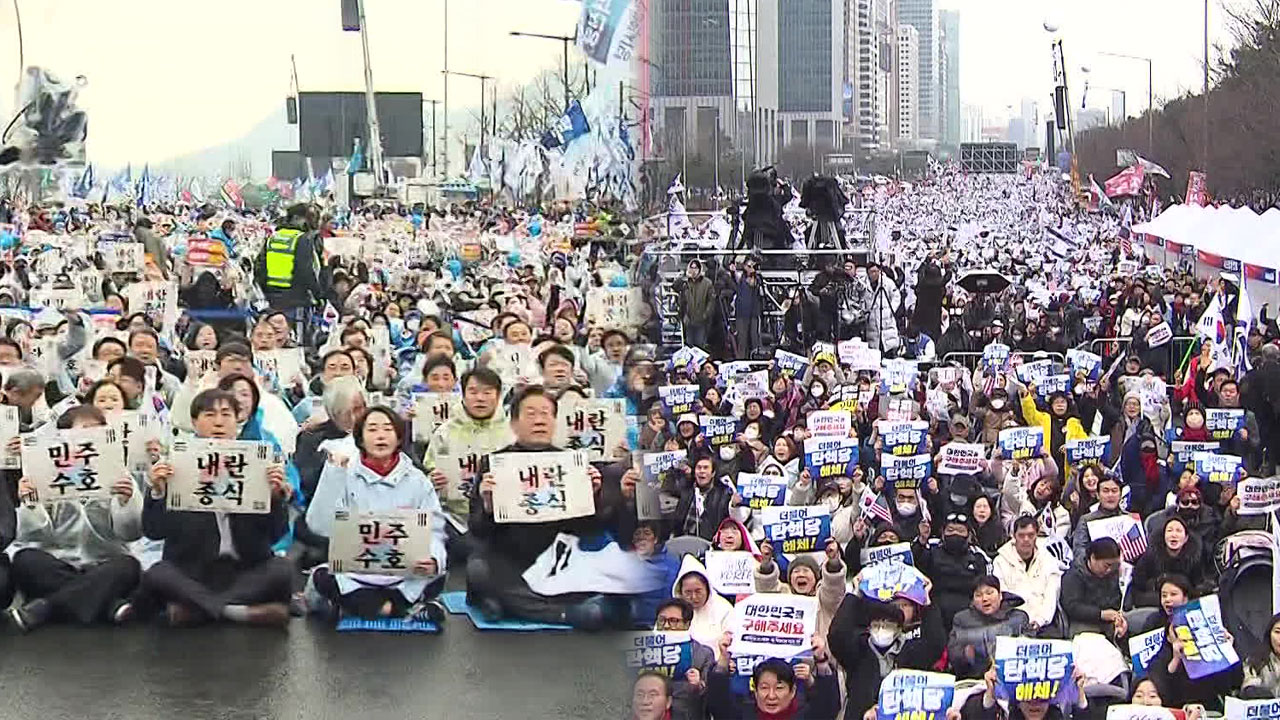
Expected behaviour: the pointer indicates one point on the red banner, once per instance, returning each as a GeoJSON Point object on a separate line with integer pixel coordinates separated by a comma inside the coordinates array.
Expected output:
{"type": "Point", "coordinates": [1197, 189]}
{"type": "Point", "coordinates": [1127, 182]}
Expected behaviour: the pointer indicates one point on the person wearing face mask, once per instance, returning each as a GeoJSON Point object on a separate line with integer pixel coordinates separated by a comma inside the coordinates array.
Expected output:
{"type": "Point", "coordinates": [991, 415]}
{"type": "Point", "coordinates": [953, 566]}
{"type": "Point", "coordinates": [872, 639]}
{"type": "Point", "coordinates": [991, 613]}
{"type": "Point", "coordinates": [1144, 474]}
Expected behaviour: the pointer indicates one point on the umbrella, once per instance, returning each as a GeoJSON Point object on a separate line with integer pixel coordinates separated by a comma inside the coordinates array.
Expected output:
{"type": "Point", "coordinates": [984, 281]}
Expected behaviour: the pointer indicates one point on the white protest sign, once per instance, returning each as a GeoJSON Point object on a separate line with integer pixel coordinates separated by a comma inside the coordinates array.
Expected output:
{"type": "Point", "coordinates": [1258, 496]}
{"type": "Point", "coordinates": [67, 465]}
{"type": "Point", "coordinates": [220, 476]}
{"type": "Point", "coordinates": [829, 423]}
{"type": "Point", "coordinates": [732, 573]}
{"type": "Point", "coordinates": [135, 430]}
{"type": "Point", "coordinates": [430, 411]}
{"type": "Point", "coordinates": [284, 365]}
{"type": "Point", "coordinates": [774, 625]}
{"type": "Point", "coordinates": [1159, 335]}
{"type": "Point", "coordinates": [1139, 712]}
{"type": "Point", "coordinates": [156, 299]}
{"type": "Point", "coordinates": [858, 356]}
{"type": "Point", "coordinates": [9, 427]}
{"type": "Point", "coordinates": [122, 257]}
{"type": "Point", "coordinates": [537, 487]}
{"type": "Point", "coordinates": [381, 543]}
{"type": "Point", "coordinates": [614, 307]}
{"type": "Point", "coordinates": [58, 298]}
{"type": "Point", "coordinates": [200, 363]}
{"type": "Point", "coordinates": [897, 552]}
{"type": "Point", "coordinates": [1237, 709]}
{"type": "Point", "coordinates": [961, 458]}
{"type": "Point", "coordinates": [597, 426]}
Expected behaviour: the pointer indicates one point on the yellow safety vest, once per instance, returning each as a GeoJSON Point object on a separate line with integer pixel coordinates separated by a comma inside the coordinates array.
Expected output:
{"type": "Point", "coordinates": [281, 254]}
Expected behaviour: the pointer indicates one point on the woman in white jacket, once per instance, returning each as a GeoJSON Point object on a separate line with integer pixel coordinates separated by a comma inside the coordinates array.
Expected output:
{"type": "Point", "coordinates": [71, 559]}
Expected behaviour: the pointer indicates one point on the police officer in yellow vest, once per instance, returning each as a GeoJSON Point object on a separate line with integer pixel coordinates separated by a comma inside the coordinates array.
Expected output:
{"type": "Point", "coordinates": [289, 265]}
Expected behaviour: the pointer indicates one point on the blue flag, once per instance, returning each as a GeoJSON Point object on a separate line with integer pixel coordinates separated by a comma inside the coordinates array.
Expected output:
{"type": "Point", "coordinates": [571, 126]}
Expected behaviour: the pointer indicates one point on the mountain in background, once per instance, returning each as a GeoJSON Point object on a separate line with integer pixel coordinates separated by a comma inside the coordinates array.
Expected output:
{"type": "Point", "coordinates": [246, 156]}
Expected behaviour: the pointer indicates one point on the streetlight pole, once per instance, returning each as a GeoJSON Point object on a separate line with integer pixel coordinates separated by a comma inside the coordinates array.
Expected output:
{"type": "Point", "coordinates": [22, 60]}
{"type": "Point", "coordinates": [375, 131]}
{"type": "Point", "coordinates": [1151, 108]}
{"type": "Point", "coordinates": [446, 90]}
{"type": "Point", "coordinates": [434, 136]}
{"type": "Point", "coordinates": [566, 40]}
{"type": "Point", "coordinates": [483, 99]}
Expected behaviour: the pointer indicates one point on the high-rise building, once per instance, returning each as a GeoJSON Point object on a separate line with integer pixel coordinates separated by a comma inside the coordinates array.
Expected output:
{"type": "Point", "coordinates": [1118, 109]}
{"type": "Point", "coordinates": [811, 71]}
{"type": "Point", "coordinates": [971, 124]}
{"type": "Point", "coordinates": [907, 101]}
{"type": "Point", "coordinates": [712, 72]}
{"type": "Point", "coordinates": [923, 16]}
{"type": "Point", "coordinates": [949, 76]}
{"type": "Point", "coordinates": [1029, 125]}
{"type": "Point", "coordinates": [871, 42]}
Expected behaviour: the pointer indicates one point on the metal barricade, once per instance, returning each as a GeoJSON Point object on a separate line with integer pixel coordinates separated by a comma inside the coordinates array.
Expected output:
{"type": "Point", "coordinates": [971, 359]}
{"type": "Point", "coordinates": [1176, 350]}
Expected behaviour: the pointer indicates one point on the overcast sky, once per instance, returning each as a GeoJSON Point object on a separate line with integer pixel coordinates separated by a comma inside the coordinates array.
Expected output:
{"type": "Point", "coordinates": [165, 79]}
{"type": "Point", "coordinates": [1005, 55]}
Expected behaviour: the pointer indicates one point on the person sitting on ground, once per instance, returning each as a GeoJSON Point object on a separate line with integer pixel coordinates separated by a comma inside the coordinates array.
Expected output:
{"type": "Point", "coordinates": [1091, 591]}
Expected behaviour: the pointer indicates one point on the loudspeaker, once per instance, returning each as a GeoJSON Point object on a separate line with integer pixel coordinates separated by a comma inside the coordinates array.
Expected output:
{"type": "Point", "coordinates": [1050, 142]}
{"type": "Point", "coordinates": [291, 109]}
{"type": "Point", "coordinates": [350, 16]}
{"type": "Point", "coordinates": [1060, 106]}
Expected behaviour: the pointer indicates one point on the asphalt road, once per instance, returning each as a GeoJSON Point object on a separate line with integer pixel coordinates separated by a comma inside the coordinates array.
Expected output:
{"type": "Point", "coordinates": [309, 672]}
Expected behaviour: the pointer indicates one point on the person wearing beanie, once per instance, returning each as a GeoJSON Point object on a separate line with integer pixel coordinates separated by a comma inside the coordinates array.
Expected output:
{"type": "Point", "coordinates": [1060, 424]}
{"type": "Point", "coordinates": [806, 577]}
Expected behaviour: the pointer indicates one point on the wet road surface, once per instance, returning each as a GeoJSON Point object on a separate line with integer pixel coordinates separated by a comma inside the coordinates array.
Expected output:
{"type": "Point", "coordinates": [308, 672]}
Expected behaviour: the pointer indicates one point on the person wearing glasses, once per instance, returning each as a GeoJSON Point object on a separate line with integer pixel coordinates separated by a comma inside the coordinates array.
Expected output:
{"type": "Point", "coordinates": [688, 692]}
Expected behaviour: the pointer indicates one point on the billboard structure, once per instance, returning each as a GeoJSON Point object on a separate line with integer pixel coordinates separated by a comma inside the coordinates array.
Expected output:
{"type": "Point", "coordinates": [329, 122]}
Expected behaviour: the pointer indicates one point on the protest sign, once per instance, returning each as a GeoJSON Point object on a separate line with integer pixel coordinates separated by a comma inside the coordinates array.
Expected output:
{"type": "Point", "coordinates": [897, 409]}
{"type": "Point", "coordinates": [473, 325]}
{"type": "Point", "coordinates": [1205, 647]}
{"type": "Point", "coordinates": [1090, 449]}
{"type": "Point", "coordinates": [1083, 362]}
{"type": "Point", "coordinates": [830, 457]}
{"type": "Point", "coordinates": [1143, 649]}
{"type": "Point", "coordinates": [459, 462]}
{"type": "Point", "coordinates": [390, 542]}
{"type": "Point", "coordinates": [1029, 670]}
{"type": "Point", "coordinates": [430, 411]}
{"type": "Point", "coordinates": [1054, 383]}
{"type": "Point", "coordinates": [731, 573]}
{"type": "Point", "coordinates": [220, 476]}
{"type": "Point", "coordinates": [597, 426]}
{"type": "Point", "coordinates": [898, 376]}
{"type": "Point", "coordinates": [1021, 443]}
{"type": "Point", "coordinates": [199, 363]}
{"type": "Point", "coordinates": [668, 653]}
{"type": "Point", "coordinates": [897, 552]}
{"type": "Point", "coordinates": [135, 429]}
{"type": "Point", "coordinates": [122, 257]}
{"type": "Point", "coordinates": [156, 299]}
{"type": "Point", "coordinates": [1215, 468]}
{"type": "Point", "coordinates": [858, 356]}
{"type": "Point", "coordinates": [615, 307]}
{"type": "Point", "coordinates": [961, 458]}
{"type": "Point", "coordinates": [1223, 423]}
{"type": "Point", "coordinates": [678, 400]}
{"type": "Point", "coordinates": [9, 428]}
{"type": "Point", "coordinates": [905, 472]}
{"type": "Point", "coordinates": [744, 387]}
{"type": "Point", "coordinates": [760, 491]}
{"type": "Point", "coordinates": [69, 465]}
{"type": "Point", "coordinates": [790, 364]}
{"type": "Point", "coordinates": [1183, 452]}
{"type": "Point", "coordinates": [1237, 709]}
{"type": "Point", "coordinates": [655, 466]}
{"type": "Point", "coordinates": [688, 359]}
{"type": "Point", "coordinates": [1159, 335]}
{"type": "Point", "coordinates": [885, 581]}
{"type": "Point", "coordinates": [915, 695]}
{"type": "Point", "coordinates": [58, 298]}
{"type": "Point", "coordinates": [1139, 712]}
{"type": "Point", "coordinates": [909, 437]}
{"type": "Point", "coordinates": [796, 529]}
{"type": "Point", "coordinates": [283, 366]}
{"type": "Point", "coordinates": [829, 423]}
{"type": "Point", "coordinates": [538, 487]}
{"type": "Point", "coordinates": [995, 358]}
{"type": "Point", "coordinates": [718, 431]}
{"type": "Point", "coordinates": [1258, 496]}
{"type": "Point", "coordinates": [515, 364]}
{"type": "Point", "coordinates": [1034, 372]}
{"type": "Point", "coordinates": [774, 625]}
{"type": "Point", "coordinates": [1126, 530]}
{"type": "Point", "coordinates": [824, 352]}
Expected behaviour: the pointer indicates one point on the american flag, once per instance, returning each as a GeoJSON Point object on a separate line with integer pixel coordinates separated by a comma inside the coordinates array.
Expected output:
{"type": "Point", "coordinates": [1126, 236]}
{"type": "Point", "coordinates": [1133, 543]}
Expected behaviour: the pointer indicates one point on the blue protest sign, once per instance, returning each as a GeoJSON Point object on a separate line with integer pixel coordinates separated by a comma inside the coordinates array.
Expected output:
{"type": "Point", "coordinates": [905, 472]}
{"type": "Point", "coordinates": [1056, 383]}
{"type": "Point", "coordinates": [759, 491]}
{"type": "Point", "coordinates": [896, 553]}
{"type": "Point", "coordinates": [688, 359]}
{"type": "Point", "coordinates": [1205, 647]}
{"type": "Point", "coordinates": [718, 431]}
{"type": "Point", "coordinates": [1182, 452]}
{"type": "Point", "coordinates": [1143, 649]}
{"type": "Point", "coordinates": [1237, 709]}
{"type": "Point", "coordinates": [898, 376]}
{"type": "Point", "coordinates": [790, 364]}
{"type": "Point", "coordinates": [915, 695]}
{"type": "Point", "coordinates": [885, 581]}
{"type": "Point", "coordinates": [799, 529]}
{"type": "Point", "coordinates": [1021, 443]}
{"type": "Point", "coordinates": [903, 437]}
{"type": "Point", "coordinates": [669, 653]}
{"type": "Point", "coordinates": [830, 457]}
{"type": "Point", "coordinates": [1090, 449]}
{"type": "Point", "coordinates": [1034, 372]}
{"type": "Point", "coordinates": [744, 666]}
{"type": "Point", "coordinates": [678, 399]}
{"type": "Point", "coordinates": [1223, 424]}
{"type": "Point", "coordinates": [657, 465]}
{"type": "Point", "coordinates": [1215, 468]}
{"type": "Point", "coordinates": [1083, 361]}
{"type": "Point", "coordinates": [1029, 670]}
{"type": "Point", "coordinates": [995, 358]}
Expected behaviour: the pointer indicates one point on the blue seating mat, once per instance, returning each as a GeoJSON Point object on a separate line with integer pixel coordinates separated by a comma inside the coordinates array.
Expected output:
{"type": "Point", "coordinates": [456, 603]}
